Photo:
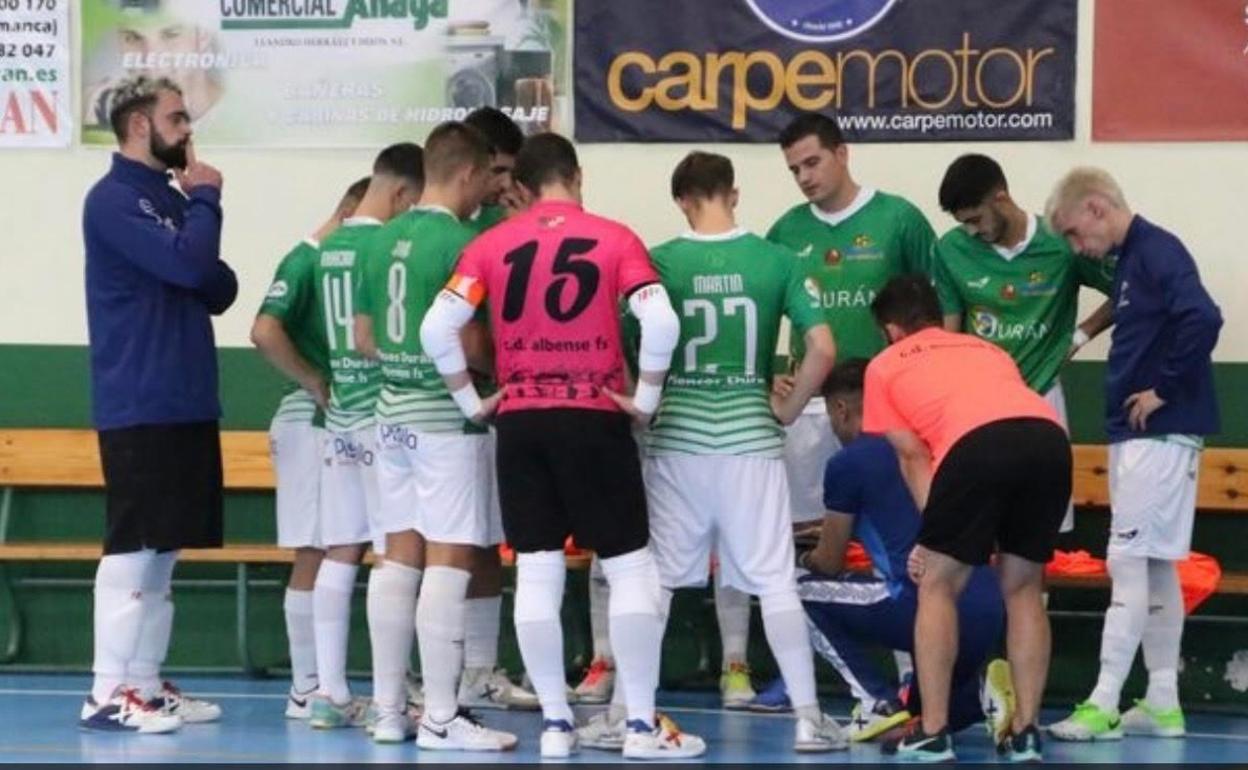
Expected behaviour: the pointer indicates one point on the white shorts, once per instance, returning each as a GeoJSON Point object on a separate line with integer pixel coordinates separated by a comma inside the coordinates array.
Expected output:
{"type": "Point", "coordinates": [440, 484]}
{"type": "Point", "coordinates": [1057, 399]}
{"type": "Point", "coordinates": [808, 444]}
{"type": "Point", "coordinates": [736, 506]}
{"type": "Point", "coordinates": [350, 508]}
{"type": "Point", "coordinates": [296, 451]}
{"type": "Point", "coordinates": [1152, 497]}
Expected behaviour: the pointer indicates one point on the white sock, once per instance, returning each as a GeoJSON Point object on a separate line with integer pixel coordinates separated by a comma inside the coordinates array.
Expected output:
{"type": "Point", "coordinates": [1124, 626]}
{"type": "Point", "coordinates": [302, 638]}
{"type": "Point", "coordinates": [732, 609]}
{"type": "Point", "coordinates": [540, 578]}
{"type": "Point", "coordinates": [784, 622]}
{"type": "Point", "coordinates": [144, 669]}
{"type": "Point", "coordinates": [1163, 634]}
{"type": "Point", "coordinates": [481, 628]}
{"type": "Point", "coordinates": [637, 618]}
{"type": "Point", "coordinates": [331, 612]}
{"type": "Point", "coordinates": [440, 632]}
{"type": "Point", "coordinates": [118, 618]}
{"type": "Point", "coordinates": [599, 602]}
{"type": "Point", "coordinates": [392, 590]}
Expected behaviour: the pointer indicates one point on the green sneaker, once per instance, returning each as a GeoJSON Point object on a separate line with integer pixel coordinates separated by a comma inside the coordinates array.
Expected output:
{"type": "Point", "coordinates": [1088, 723]}
{"type": "Point", "coordinates": [735, 687]}
{"type": "Point", "coordinates": [327, 715]}
{"type": "Point", "coordinates": [1143, 719]}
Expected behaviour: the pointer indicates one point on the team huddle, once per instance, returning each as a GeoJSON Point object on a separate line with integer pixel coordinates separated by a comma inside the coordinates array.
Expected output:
{"type": "Point", "coordinates": [478, 359]}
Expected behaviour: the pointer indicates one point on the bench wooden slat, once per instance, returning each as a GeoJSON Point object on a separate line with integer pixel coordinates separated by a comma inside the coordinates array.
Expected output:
{"type": "Point", "coordinates": [232, 553]}
{"type": "Point", "coordinates": [1223, 480]}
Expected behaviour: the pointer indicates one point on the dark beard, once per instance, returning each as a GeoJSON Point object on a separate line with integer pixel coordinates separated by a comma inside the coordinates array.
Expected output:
{"type": "Point", "coordinates": [172, 155]}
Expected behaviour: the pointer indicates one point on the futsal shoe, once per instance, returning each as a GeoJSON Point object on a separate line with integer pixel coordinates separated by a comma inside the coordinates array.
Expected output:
{"type": "Point", "coordinates": [662, 742]}
{"type": "Point", "coordinates": [299, 704]}
{"type": "Point", "coordinates": [126, 712]}
{"type": "Point", "coordinates": [998, 700]}
{"type": "Point", "coordinates": [394, 727]}
{"type": "Point", "coordinates": [327, 715]}
{"type": "Point", "coordinates": [598, 684]}
{"type": "Point", "coordinates": [773, 699]}
{"type": "Point", "coordinates": [1024, 747]}
{"type": "Point", "coordinates": [192, 710]}
{"type": "Point", "coordinates": [462, 733]}
{"type": "Point", "coordinates": [869, 724]}
{"type": "Point", "coordinates": [1089, 722]}
{"type": "Point", "coordinates": [810, 737]}
{"type": "Point", "coordinates": [603, 733]}
{"type": "Point", "coordinates": [484, 688]}
{"type": "Point", "coordinates": [735, 688]}
{"type": "Point", "coordinates": [559, 739]}
{"type": "Point", "coordinates": [1144, 719]}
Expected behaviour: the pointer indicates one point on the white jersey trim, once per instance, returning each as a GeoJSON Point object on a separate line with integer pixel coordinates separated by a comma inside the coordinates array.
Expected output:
{"type": "Point", "coordinates": [834, 218]}
{"type": "Point", "coordinates": [728, 235]}
{"type": "Point", "coordinates": [1009, 254]}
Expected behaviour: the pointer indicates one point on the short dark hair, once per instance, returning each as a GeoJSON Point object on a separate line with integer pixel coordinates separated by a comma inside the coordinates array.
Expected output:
{"type": "Point", "coordinates": [546, 158]}
{"type": "Point", "coordinates": [452, 146]}
{"type": "Point", "coordinates": [969, 181]}
{"type": "Point", "coordinates": [404, 160]}
{"type": "Point", "coordinates": [909, 301]}
{"type": "Point", "coordinates": [136, 94]}
{"type": "Point", "coordinates": [846, 378]}
{"type": "Point", "coordinates": [354, 194]}
{"type": "Point", "coordinates": [702, 175]}
{"type": "Point", "coordinates": [812, 124]}
{"type": "Point", "coordinates": [501, 131]}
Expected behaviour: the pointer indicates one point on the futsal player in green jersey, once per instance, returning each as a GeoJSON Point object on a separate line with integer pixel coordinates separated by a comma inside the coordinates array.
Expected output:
{"type": "Point", "coordinates": [1004, 276]}
{"type": "Point", "coordinates": [349, 501]}
{"type": "Point", "coordinates": [289, 332]}
{"type": "Point", "coordinates": [435, 470]}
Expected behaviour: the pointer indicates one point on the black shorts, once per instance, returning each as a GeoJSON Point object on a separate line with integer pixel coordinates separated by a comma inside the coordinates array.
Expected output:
{"type": "Point", "coordinates": [571, 471]}
{"type": "Point", "coordinates": [1004, 485]}
{"type": "Point", "coordinates": [162, 485]}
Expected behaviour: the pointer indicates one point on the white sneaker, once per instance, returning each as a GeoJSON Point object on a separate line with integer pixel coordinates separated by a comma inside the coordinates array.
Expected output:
{"type": "Point", "coordinates": [462, 733]}
{"type": "Point", "coordinates": [602, 733]}
{"type": "Point", "coordinates": [812, 737]}
{"type": "Point", "coordinates": [393, 727]}
{"type": "Point", "coordinates": [598, 684]}
{"type": "Point", "coordinates": [126, 712]}
{"type": "Point", "coordinates": [483, 688]}
{"type": "Point", "coordinates": [299, 704]}
{"type": "Point", "coordinates": [192, 710]}
{"type": "Point", "coordinates": [558, 739]}
{"type": "Point", "coordinates": [664, 741]}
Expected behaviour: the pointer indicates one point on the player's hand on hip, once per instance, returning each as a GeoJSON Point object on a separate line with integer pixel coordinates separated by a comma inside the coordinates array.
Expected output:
{"type": "Point", "coordinates": [489, 406]}
{"type": "Point", "coordinates": [626, 404]}
{"type": "Point", "coordinates": [1140, 405]}
{"type": "Point", "coordinates": [784, 410]}
{"type": "Point", "coordinates": [916, 563]}
{"type": "Point", "coordinates": [319, 390]}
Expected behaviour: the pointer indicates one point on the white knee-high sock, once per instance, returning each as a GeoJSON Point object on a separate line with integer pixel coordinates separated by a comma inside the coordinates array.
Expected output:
{"type": "Point", "coordinates": [540, 577]}
{"type": "Point", "coordinates": [481, 628]}
{"type": "Point", "coordinates": [599, 603]}
{"type": "Point", "coordinates": [301, 636]}
{"type": "Point", "coordinates": [1124, 626]}
{"type": "Point", "coordinates": [392, 590]}
{"type": "Point", "coordinates": [1163, 634]}
{"type": "Point", "coordinates": [144, 669]}
{"type": "Point", "coordinates": [732, 609]}
{"type": "Point", "coordinates": [636, 616]}
{"type": "Point", "coordinates": [440, 631]}
{"type": "Point", "coordinates": [785, 625]}
{"type": "Point", "coordinates": [118, 618]}
{"type": "Point", "coordinates": [331, 614]}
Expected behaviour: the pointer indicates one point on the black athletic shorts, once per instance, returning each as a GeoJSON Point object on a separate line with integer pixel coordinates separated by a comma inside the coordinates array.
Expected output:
{"type": "Point", "coordinates": [570, 471]}
{"type": "Point", "coordinates": [162, 487]}
{"type": "Point", "coordinates": [1003, 486]}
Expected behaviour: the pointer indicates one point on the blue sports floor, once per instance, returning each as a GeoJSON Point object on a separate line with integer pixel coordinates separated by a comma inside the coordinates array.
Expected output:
{"type": "Point", "coordinates": [39, 714]}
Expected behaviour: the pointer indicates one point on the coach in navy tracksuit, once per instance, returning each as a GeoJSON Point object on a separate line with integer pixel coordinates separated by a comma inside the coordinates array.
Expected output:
{"type": "Point", "coordinates": [854, 615]}
{"type": "Point", "coordinates": [1160, 404]}
{"type": "Point", "coordinates": [154, 280]}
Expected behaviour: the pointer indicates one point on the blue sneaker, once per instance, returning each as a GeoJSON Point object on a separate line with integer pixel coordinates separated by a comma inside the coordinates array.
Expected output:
{"type": "Point", "coordinates": [774, 698]}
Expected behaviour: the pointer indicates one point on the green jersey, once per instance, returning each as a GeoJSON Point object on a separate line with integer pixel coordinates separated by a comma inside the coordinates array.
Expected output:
{"type": "Point", "coordinates": [730, 292]}
{"type": "Point", "coordinates": [1024, 299]}
{"type": "Point", "coordinates": [413, 258]}
{"type": "Point", "coordinates": [485, 218]}
{"type": "Point", "coordinates": [356, 380]}
{"type": "Point", "coordinates": [851, 255]}
{"type": "Point", "coordinates": [291, 299]}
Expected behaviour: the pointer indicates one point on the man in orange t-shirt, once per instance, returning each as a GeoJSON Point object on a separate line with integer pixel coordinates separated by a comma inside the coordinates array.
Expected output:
{"type": "Point", "coordinates": [990, 467]}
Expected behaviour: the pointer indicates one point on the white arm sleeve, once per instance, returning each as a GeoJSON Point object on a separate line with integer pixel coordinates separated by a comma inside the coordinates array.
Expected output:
{"type": "Point", "coordinates": [439, 332]}
{"type": "Point", "coordinates": [660, 328]}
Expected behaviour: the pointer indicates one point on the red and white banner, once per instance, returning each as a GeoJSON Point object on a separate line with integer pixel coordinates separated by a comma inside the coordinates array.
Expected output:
{"type": "Point", "coordinates": [34, 74]}
{"type": "Point", "coordinates": [1170, 70]}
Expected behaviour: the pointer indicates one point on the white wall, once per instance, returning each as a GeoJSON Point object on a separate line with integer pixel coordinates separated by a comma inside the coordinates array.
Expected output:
{"type": "Point", "coordinates": [273, 198]}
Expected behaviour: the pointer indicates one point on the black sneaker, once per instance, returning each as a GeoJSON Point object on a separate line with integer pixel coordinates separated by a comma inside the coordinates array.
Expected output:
{"type": "Point", "coordinates": [1024, 747]}
{"type": "Point", "coordinates": [918, 746]}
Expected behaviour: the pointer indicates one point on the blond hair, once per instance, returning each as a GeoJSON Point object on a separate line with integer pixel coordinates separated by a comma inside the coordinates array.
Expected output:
{"type": "Point", "coordinates": [1078, 185]}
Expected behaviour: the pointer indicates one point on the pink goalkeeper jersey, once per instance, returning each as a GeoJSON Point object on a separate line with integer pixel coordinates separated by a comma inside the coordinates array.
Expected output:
{"type": "Point", "coordinates": [554, 276]}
